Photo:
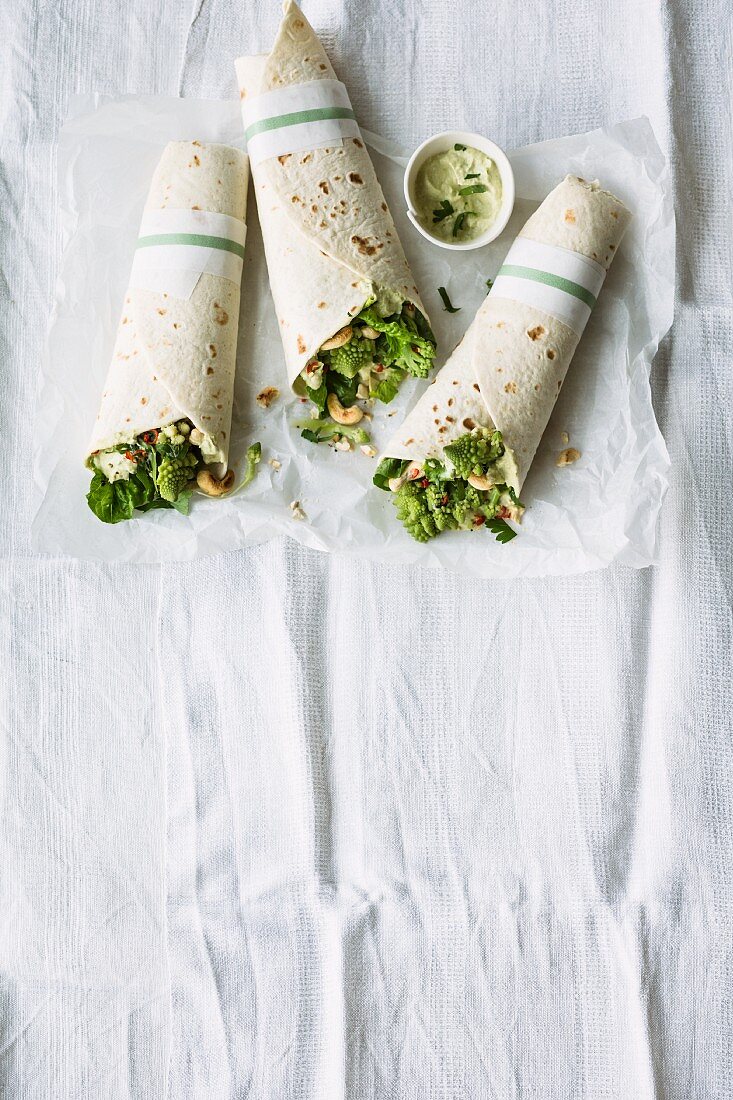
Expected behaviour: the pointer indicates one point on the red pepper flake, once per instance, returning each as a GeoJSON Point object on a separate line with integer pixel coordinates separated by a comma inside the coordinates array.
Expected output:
{"type": "Point", "coordinates": [444, 499]}
{"type": "Point", "coordinates": [151, 436]}
{"type": "Point", "coordinates": [478, 520]}
{"type": "Point", "coordinates": [128, 456]}
{"type": "Point", "coordinates": [503, 512]}
{"type": "Point", "coordinates": [424, 483]}
{"type": "Point", "coordinates": [378, 368]}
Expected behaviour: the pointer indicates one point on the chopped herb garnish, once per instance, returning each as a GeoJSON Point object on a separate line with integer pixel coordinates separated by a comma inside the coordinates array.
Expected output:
{"type": "Point", "coordinates": [459, 148]}
{"type": "Point", "coordinates": [489, 283]}
{"type": "Point", "coordinates": [458, 223]}
{"type": "Point", "coordinates": [444, 211]}
{"type": "Point", "coordinates": [473, 189]}
{"type": "Point", "coordinates": [501, 529]}
{"type": "Point", "coordinates": [472, 175]}
{"type": "Point", "coordinates": [447, 304]}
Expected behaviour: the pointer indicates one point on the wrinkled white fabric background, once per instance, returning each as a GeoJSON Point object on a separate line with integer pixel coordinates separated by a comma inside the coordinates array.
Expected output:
{"type": "Point", "coordinates": [281, 825]}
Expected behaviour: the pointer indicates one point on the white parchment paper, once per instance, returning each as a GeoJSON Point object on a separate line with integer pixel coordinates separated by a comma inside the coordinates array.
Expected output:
{"type": "Point", "coordinates": [581, 517]}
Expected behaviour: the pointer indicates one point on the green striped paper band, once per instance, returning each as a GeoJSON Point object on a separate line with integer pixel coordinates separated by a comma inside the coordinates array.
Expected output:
{"type": "Point", "coordinates": [549, 279]}
{"type": "Point", "coordinates": [201, 240]}
{"type": "Point", "coordinates": [278, 122]}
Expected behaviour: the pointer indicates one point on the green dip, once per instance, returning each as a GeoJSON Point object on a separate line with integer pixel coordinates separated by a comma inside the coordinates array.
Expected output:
{"type": "Point", "coordinates": [458, 194]}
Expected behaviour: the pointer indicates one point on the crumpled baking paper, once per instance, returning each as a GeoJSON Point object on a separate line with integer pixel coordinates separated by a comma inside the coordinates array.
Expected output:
{"type": "Point", "coordinates": [603, 508]}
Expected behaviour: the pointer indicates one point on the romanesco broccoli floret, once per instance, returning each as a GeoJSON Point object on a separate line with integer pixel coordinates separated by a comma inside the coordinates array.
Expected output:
{"type": "Point", "coordinates": [466, 503]}
{"type": "Point", "coordinates": [174, 474]}
{"type": "Point", "coordinates": [474, 452]}
{"type": "Point", "coordinates": [350, 358]}
{"type": "Point", "coordinates": [414, 512]}
{"type": "Point", "coordinates": [438, 497]}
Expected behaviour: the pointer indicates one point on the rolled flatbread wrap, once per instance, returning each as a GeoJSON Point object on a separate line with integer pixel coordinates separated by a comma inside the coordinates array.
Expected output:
{"type": "Point", "coordinates": [172, 371]}
{"type": "Point", "coordinates": [493, 398]}
{"type": "Point", "coordinates": [332, 247]}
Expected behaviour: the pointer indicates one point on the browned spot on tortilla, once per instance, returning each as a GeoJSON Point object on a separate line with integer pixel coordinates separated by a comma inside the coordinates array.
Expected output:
{"type": "Point", "coordinates": [570, 217]}
{"type": "Point", "coordinates": [409, 441]}
{"type": "Point", "coordinates": [125, 320]}
{"type": "Point", "coordinates": [197, 161]}
{"type": "Point", "coordinates": [197, 144]}
{"type": "Point", "coordinates": [559, 383]}
{"type": "Point", "coordinates": [476, 387]}
{"type": "Point", "coordinates": [220, 406]}
{"type": "Point", "coordinates": [194, 207]}
{"type": "Point", "coordinates": [499, 370]}
{"type": "Point", "coordinates": [510, 387]}
{"type": "Point", "coordinates": [354, 284]}
{"type": "Point", "coordinates": [165, 295]}
{"type": "Point", "coordinates": [323, 224]}
{"type": "Point", "coordinates": [162, 312]}
{"type": "Point", "coordinates": [469, 423]}
{"type": "Point", "coordinates": [324, 186]}
{"type": "Point", "coordinates": [298, 24]}
{"type": "Point", "coordinates": [212, 351]}
{"type": "Point", "coordinates": [537, 386]}
{"type": "Point", "coordinates": [357, 142]}
{"type": "Point", "coordinates": [455, 383]}
{"type": "Point", "coordinates": [296, 198]}
{"type": "Point", "coordinates": [284, 157]}
{"type": "Point", "coordinates": [209, 370]}
{"type": "Point", "coordinates": [363, 246]}
{"type": "Point", "coordinates": [301, 344]}
{"type": "Point", "coordinates": [450, 402]}
{"type": "Point", "coordinates": [435, 408]}
{"type": "Point", "coordinates": [306, 158]}
{"type": "Point", "coordinates": [536, 332]}
{"type": "Point", "coordinates": [500, 324]}
{"type": "Point", "coordinates": [550, 353]}
{"type": "Point", "coordinates": [436, 422]}
{"type": "Point", "coordinates": [127, 420]}
{"type": "Point", "coordinates": [175, 324]}
{"type": "Point", "coordinates": [333, 214]}
{"type": "Point", "coordinates": [242, 94]}
{"type": "Point", "coordinates": [441, 430]}
{"type": "Point", "coordinates": [384, 206]}
{"type": "Point", "coordinates": [355, 177]}
{"type": "Point", "coordinates": [337, 178]}
{"type": "Point", "coordinates": [321, 305]}
{"type": "Point", "coordinates": [314, 208]}
{"type": "Point", "coordinates": [143, 400]}
{"type": "Point", "coordinates": [322, 67]}
{"type": "Point", "coordinates": [220, 315]}
{"type": "Point", "coordinates": [614, 213]}
{"type": "Point", "coordinates": [451, 419]}
{"type": "Point", "coordinates": [612, 247]}
{"type": "Point", "coordinates": [594, 255]}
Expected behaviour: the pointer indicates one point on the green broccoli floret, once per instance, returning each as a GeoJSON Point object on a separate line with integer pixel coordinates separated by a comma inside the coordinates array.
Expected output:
{"type": "Point", "coordinates": [439, 499]}
{"type": "Point", "coordinates": [402, 344]}
{"type": "Point", "coordinates": [321, 431]}
{"type": "Point", "coordinates": [350, 358]}
{"type": "Point", "coordinates": [466, 503]}
{"type": "Point", "coordinates": [414, 512]}
{"type": "Point", "coordinates": [474, 452]}
{"type": "Point", "coordinates": [174, 474]}
{"type": "Point", "coordinates": [251, 462]}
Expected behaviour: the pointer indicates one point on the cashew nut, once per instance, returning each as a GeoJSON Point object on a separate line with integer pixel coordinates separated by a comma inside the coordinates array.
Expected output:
{"type": "Point", "coordinates": [342, 337]}
{"type": "Point", "coordinates": [567, 457]}
{"type": "Point", "coordinates": [196, 437]}
{"type": "Point", "coordinates": [341, 415]}
{"type": "Point", "coordinates": [396, 483]}
{"type": "Point", "coordinates": [484, 483]}
{"type": "Point", "coordinates": [370, 333]}
{"type": "Point", "coordinates": [211, 485]}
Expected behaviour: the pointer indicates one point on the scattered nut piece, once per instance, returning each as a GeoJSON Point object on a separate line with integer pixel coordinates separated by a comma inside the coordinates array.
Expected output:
{"type": "Point", "coordinates": [362, 392]}
{"type": "Point", "coordinates": [565, 439]}
{"type": "Point", "coordinates": [343, 445]}
{"type": "Point", "coordinates": [369, 332]}
{"type": "Point", "coordinates": [211, 485]}
{"type": "Point", "coordinates": [483, 483]}
{"type": "Point", "coordinates": [341, 415]}
{"type": "Point", "coordinates": [568, 456]}
{"type": "Point", "coordinates": [266, 397]}
{"type": "Point", "coordinates": [296, 511]}
{"type": "Point", "coordinates": [368, 450]}
{"type": "Point", "coordinates": [274, 463]}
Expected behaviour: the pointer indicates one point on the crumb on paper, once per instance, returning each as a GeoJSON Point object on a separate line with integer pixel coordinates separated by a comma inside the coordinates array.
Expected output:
{"type": "Point", "coordinates": [567, 457]}
{"type": "Point", "coordinates": [342, 444]}
{"type": "Point", "coordinates": [564, 439]}
{"type": "Point", "coordinates": [368, 450]}
{"type": "Point", "coordinates": [296, 511]}
{"type": "Point", "coordinates": [266, 397]}
{"type": "Point", "coordinates": [274, 463]}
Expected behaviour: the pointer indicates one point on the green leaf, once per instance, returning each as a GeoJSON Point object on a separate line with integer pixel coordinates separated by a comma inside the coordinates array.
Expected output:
{"type": "Point", "coordinates": [110, 501]}
{"type": "Point", "coordinates": [473, 189]}
{"type": "Point", "coordinates": [472, 176]}
{"type": "Point", "coordinates": [447, 305]}
{"type": "Point", "coordinates": [458, 223]}
{"type": "Point", "coordinates": [319, 396]}
{"type": "Point", "coordinates": [344, 388]}
{"type": "Point", "coordinates": [502, 530]}
{"type": "Point", "coordinates": [387, 469]}
{"type": "Point", "coordinates": [444, 211]}
{"type": "Point", "coordinates": [489, 283]}
{"type": "Point", "coordinates": [388, 386]}
{"type": "Point", "coordinates": [459, 148]}
{"type": "Point", "coordinates": [182, 503]}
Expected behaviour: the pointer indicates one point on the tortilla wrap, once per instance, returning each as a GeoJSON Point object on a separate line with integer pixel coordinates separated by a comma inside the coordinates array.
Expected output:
{"type": "Point", "coordinates": [328, 234]}
{"type": "Point", "coordinates": [509, 368]}
{"type": "Point", "coordinates": [174, 357]}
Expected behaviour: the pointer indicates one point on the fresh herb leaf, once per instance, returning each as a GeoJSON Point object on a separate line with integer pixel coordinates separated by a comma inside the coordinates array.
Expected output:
{"type": "Point", "coordinates": [472, 175]}
{"type": "Point", "coordinates": [489, 283]}
{"type": "Point", "coordinates": [318, 396]}
{"type": "Point", "coordinates": [311, 436]}
{"type": "Point", "coordinates": [251, 462]}
{"type": "Point", "coordinates": [182, 502]}
{"type": "Point", "coordinates": [387, 469]}
{"type": "Point", "coordinates": [458, 224]}
{"type": "Point", "coordinates": [459, 148]}
{"type": "Point", "coordinates": [447, 304]}
{"type": "Point", "coordinates": [344, 388]}
{"type": "Point", "coordinates": [444, 211]}
{"type": "Point", "coordinates": [502, 530]}
{"type": "Point", "coordinates": [473, 189]}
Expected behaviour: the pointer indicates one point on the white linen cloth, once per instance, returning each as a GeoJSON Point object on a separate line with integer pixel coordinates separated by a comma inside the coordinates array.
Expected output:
{"type": "Point", "coordinates": [386, 833]}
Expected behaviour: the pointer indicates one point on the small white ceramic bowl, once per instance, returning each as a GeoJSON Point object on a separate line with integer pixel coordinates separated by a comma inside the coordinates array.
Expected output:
{"type": "Point", "coordinates": [439, 144]}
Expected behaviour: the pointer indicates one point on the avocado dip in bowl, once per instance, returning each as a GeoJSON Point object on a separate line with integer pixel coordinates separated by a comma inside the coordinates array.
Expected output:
{"type": "Point", "coordinates": [459, 189]}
